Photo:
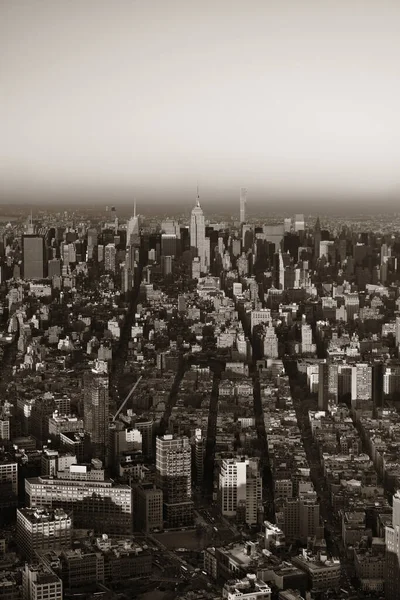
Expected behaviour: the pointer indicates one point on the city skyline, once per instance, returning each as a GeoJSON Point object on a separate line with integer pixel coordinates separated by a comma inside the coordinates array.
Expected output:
{"type": "Point", "coordinates": [104, 102]}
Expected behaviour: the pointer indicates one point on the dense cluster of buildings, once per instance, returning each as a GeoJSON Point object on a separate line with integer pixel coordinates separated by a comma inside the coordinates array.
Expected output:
{"type": "Point", "coordinates": [155, 371]}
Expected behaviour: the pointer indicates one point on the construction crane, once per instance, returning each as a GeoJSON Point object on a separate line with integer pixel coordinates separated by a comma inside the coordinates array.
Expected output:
{"type": "Point", "coordinates": [133, 388]}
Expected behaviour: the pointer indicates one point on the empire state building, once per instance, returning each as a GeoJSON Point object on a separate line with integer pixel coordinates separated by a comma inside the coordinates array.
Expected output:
{"type": "Point", "coordinates": [198, 234]}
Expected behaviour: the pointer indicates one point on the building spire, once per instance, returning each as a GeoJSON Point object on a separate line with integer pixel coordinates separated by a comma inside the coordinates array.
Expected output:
{"type": "Point", "coordinates": [198, 196]}
{"type": "Point", "coordinates": [134, 208]}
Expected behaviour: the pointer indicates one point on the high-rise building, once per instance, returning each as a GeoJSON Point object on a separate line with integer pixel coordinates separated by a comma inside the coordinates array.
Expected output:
{"type": "Point", "coordinates": [148, 507]}
{"type": "Point", "coordinates": [171, 227]}
{"type": "Point", "coordinates": [146, 428]}
{"type": "Point", "coordinates": [54, 267]}
{"type": "Point", "coordinates": [307, 346]}
{"type": "Point", "coordinates": [327, 385]}
{"type": "Point", "coordinates": [169, 244]}
{"type": "Point", "coordinates": [243, 202]}
{"type": "Point", "coordinates": [132, 227]}
{"type": "Point", "coordinates": [166, 265]}
{"type": "Point", "coordinates": [110, 252]}
{"type": "Point", "coordinates": [40, 583]}
{"type": "Point", "coordinates": [240, 489]}
{"type": "Point", "coordinates": [270, 343]}
{"type": "Point", "coordinates": [317, 238]}
{"type": "Point", "coordinates": [33, 252]}
{"type": "Point", "coordinates": [361, 383]}
{"type": "Point", "coordinates": [199, 449]}
{"type": "Point", "coordinates": [392, 540]}
{"type": "Point", "coordinates": [174, 478]}
{"type": "Point", "coordinates": [352, 304]}
{"type": "Point", "coordinates": [96, 410]}
{"type": "Point", "coordinates": [299, 224]}
{"type": "Point", "coordinates": [41, 530]}
{"type": "Point", "coordinates": [287, 224]}
{"type": "Point", "coordinates": [197, 234]}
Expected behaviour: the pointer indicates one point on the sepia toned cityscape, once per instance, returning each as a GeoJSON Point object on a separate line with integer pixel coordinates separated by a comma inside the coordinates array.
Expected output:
{"type": "Point", "coordinates": [199, 409]}
{"type": "Point", "coordinates": [199, 300]}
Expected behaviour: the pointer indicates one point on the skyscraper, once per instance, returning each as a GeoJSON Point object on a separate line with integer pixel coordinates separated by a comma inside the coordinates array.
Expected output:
{"type": "Point", "coordinates": [243, 202]}
{"type": "Point", "coordinates": [327, 385]}
{"type": "Point", "coordinates": [109, 257]}
{"type": "Point", "coordinates": [132, 227]}
{"type": "Point", "coordinates": [173, 476]}
{"type": "Point", "coordinates": [240, 489]}
{"type": "Point", "coordinates": [96, 410]}
{"type": "Point", "coordinates": [361, 383]}
{"type": "Point", "coordinates": [299, 224]}
{"type": "Point", "coordinates": [198, 234]}
{"type": "Point", "coordinates": [33, 250]}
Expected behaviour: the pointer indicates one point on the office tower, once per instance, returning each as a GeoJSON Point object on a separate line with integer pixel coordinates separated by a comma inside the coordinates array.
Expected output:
{"type": "Point", "coordinates": [391, 380]}
{"type": "Point", "coordinates": [148, 509]}
{"type": "Point", "coordinates": [54, 267]}
{"type": "Point", "coordinates": [274, 235]}
{"type": "Point", "coordinates": [171, 227]}
{"type": "Point", "coordinates": [109, 257]}
{"type": "Point", "coordinates": [301, 514]}
{"type": "Point", "coordinates": [352, 304]}
{"type": "Point", "coordinates": [30, 227]}
{"type": "Point", "coordinates": [40, 583]}
{"type": "Point", "coordinates": [327, 250]}
{"type": "Point", "coordinates": [328, 389]}
{"type": "Point", "coordinates": [146, 428]}
{"type": "Point", "coordinates": [287, 225]}
{"type": "Point", "coordinates": [242, 265]}
{"type": "Point", "coordinates": [197, 234]}
{"type": "Point", "coordinates": [196, 268]}
{"type": "Point", "coordinates": [392, 559]}
{"type": "Point", "coordinates": [377, 383]}
{"type": "Point", "coordinates": [317, 238]}
{"type": "Point", "coordinates": [361, 383]}
{"type": "Point", "coordinates": [299, 224]}
{"type": "Point", "coordinates": [92, 241]}
{"type": "Point", "coordinates": [308, 512]}
{"type": "Point", "coordinates": [33, 253]}
{"type": "Point", "coordinates": [207, 253]}
{"type": "Point", "coordinates": [132, 227]}
{"type": "Point", "coordinates": [270, 343]}
{"type": "Point", "coordinates": [173, 477]}
{"type": "Point", "coordinates": [240, 489]}
{"type": "Point", "coordinates": [97, 503]}
{"type": "Point", "coordinates": [41, 530]}
{"type": "Point", "coordinates": [307, 346]}
{"type": "Point", "coordinates": [344, 381]}
{"type": "Point", "coordinates": [247, 237]}
{"type": "Point", "coordinates": [166, 265]}
{"type": "Point", "coordinates": [169, 244]}
{"type": "Point", "coordinates": [96, 410]}
{"type": "Point", "coordinates": [199, 450]}
{"type": "Point", "coordinates": [243, 202]}
{"type": "Point", "coordinates": [236, 247]}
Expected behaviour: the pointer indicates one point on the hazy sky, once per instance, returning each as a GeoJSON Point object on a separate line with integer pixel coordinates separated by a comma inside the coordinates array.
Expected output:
{"type": "Point", "coordinates": [112, 99]}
